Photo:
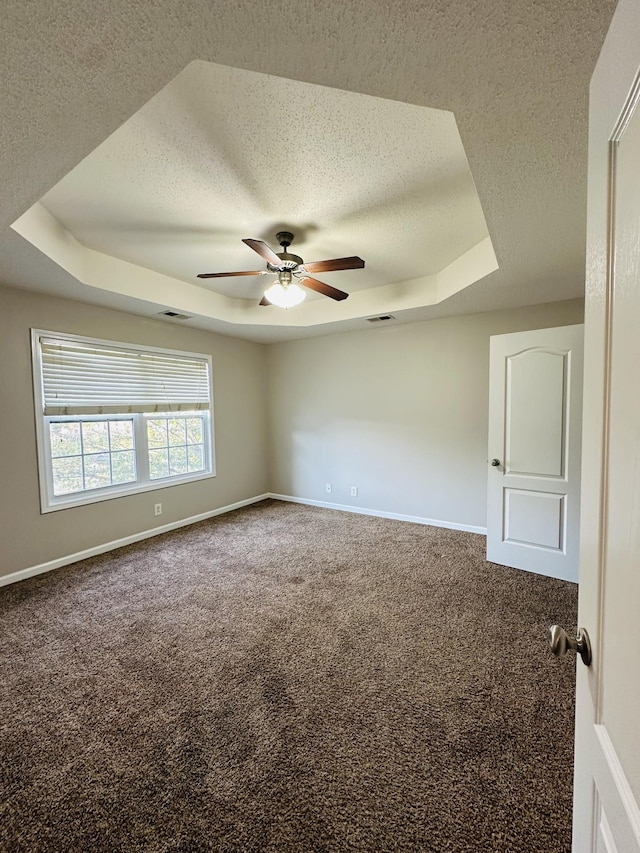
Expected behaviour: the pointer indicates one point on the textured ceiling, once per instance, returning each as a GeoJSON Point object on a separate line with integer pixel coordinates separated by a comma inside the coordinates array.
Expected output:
{"type": "Point", "coordinates": [223, 153]}
{"type": "Point", "coordinates": [515, 75]}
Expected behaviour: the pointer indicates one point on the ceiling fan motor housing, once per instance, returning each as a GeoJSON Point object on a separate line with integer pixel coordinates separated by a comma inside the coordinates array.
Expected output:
{"type": "Point", "coordinates": [290, 261]}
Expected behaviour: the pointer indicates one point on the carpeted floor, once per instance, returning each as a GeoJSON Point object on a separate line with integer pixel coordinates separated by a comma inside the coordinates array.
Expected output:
{"type": "Point", "coordinates": [286, 678]}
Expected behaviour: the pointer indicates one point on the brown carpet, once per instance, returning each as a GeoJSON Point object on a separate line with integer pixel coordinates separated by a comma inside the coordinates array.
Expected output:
{"type": "Point", "coordinates": [286, 678]}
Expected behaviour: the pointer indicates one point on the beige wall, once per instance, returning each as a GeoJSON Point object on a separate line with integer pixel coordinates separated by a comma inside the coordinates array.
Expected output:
{"type": "Point", "coordinates": [399, 411]}
{"type": "Point", "coordinates": [28, 538]}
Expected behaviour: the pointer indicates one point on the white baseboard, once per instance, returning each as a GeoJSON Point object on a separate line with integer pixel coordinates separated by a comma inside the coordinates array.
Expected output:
{"type": "Point", "coordinates": [41, 568]}
{"type": "Point", "coordinates": [414, 519]}
{"type": "Point", "coordinates": [29, 572]}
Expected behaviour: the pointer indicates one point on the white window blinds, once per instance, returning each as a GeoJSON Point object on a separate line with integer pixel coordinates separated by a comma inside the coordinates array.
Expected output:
{"type": "Point", "coordinates": [84, 376]}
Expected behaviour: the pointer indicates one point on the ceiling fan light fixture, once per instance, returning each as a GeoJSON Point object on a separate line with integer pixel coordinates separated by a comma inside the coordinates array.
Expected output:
{"type": "Point", "coordinates": [286, 294]}
{"type": "Point", "coordinates": [284, 297]}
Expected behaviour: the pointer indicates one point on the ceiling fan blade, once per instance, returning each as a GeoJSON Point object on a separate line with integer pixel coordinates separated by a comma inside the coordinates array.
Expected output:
{"type": "Point", "coordinates": [264, 301]}
{"type": "Point", "coordinates": [226, 274]}
{"type": "Point", "coordinates": [264, 251]}
{"type": "Point", "coordinates": [353, 263]}
{"type": "Point", "coordinates": [324, 289]}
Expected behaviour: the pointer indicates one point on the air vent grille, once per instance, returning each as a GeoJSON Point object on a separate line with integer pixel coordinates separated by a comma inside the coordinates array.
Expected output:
{"type": "Point", "coordinates": [175, 315]}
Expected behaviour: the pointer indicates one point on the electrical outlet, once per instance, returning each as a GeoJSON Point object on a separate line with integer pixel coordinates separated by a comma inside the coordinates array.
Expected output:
{"type": "Point", "coordinates": [327, 488]}
{"type": "Point", "coordinates": [157, 509]}
{"type": "Point", "coordinates": [354, 491]}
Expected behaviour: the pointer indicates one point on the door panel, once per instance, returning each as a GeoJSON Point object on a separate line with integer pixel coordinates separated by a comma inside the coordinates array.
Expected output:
{"type": "Point", "coordinates": [536, 402]}
{"type": "Point", "coordinates": [534, 518]}
{"type": "Point", "coordinates": [535, 409]}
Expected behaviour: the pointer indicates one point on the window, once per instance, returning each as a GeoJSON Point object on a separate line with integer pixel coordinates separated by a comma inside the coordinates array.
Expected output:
{"type": "Point", "coordinates": [114, 419]}
{"type": "Point", "coordinates": [176, 445]}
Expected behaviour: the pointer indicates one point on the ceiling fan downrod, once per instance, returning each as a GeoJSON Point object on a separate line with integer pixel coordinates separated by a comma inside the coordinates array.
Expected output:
{"type": "Point", "coordinates": [285, 238]}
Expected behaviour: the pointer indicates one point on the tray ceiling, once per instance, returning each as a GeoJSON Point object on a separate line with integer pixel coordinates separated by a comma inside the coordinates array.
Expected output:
{"type": "Point", "coordinates": [514, 77]}
{"type": "Point", "coordinates": [224, 153]}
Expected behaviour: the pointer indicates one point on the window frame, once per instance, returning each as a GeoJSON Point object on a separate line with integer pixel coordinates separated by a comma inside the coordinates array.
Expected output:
{"type": "Point", "coordinates": [50, 502]}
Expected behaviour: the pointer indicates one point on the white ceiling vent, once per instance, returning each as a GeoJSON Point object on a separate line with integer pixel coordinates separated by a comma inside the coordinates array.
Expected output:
{"type": "Point", "coordinates": [175, 315]}
{"type": "Point", "coordinates": [381, 318]}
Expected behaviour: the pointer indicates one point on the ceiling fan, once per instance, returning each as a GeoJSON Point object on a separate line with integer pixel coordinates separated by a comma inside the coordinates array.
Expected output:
{"type": "Point", "coordinates": [290, 269]}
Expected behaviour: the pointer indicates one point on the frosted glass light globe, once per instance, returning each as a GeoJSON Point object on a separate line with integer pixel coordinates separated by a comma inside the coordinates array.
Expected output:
{"type": "Point", "coordinates": [285, 297]}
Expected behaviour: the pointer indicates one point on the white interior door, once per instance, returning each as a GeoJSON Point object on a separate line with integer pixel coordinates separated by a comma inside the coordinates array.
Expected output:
{"type": "Point", "coordinates": [535, 412]}
{"type": "Point", "coordinates": [607, 770]}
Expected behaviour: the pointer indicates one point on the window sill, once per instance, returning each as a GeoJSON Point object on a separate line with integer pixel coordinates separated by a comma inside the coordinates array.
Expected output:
{"type": "Point", "coordinates": [111, 492]}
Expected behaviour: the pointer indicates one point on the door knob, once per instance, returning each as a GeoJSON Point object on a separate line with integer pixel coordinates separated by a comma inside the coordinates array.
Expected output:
{"type": "Point", "coordinates": [495, 462]}
{"type": "Point", "coordinates": [561, 642]}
